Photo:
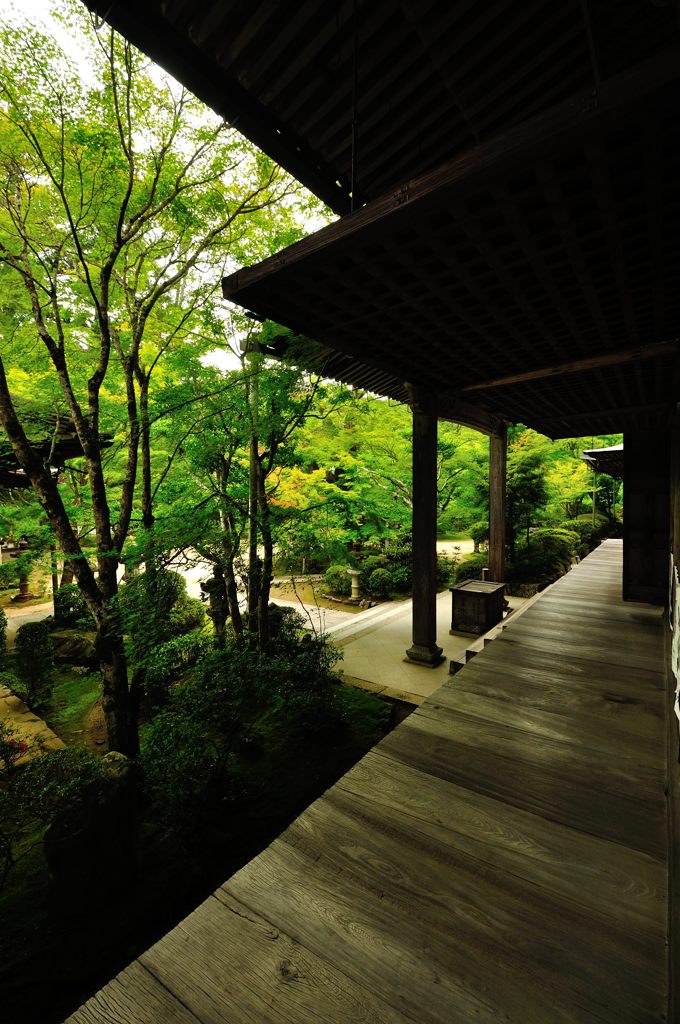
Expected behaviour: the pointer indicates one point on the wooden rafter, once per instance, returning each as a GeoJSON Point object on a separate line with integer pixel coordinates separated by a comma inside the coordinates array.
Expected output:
{"type": "Point", "coordinates": [522, 144]}
{"type": "Point", "coordinates": [630, 355]}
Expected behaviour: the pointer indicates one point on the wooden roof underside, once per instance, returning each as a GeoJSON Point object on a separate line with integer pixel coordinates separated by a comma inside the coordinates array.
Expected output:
{"type": "Point", "coordinates": [535, 277]}
{"type": "Point", "coordinates": [529, 269]}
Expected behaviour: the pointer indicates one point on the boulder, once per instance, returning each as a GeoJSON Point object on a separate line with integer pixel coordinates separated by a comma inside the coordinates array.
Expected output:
{"type": "Point", "coordinates": [75, 647]}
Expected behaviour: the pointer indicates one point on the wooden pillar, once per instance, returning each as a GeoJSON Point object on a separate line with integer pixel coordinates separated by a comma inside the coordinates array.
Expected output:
{"type": "Point", "coordinates": [424, 649]}
{"type": "Point", "coordinates": [646, 515]}
{"type": "Point", "coordinates": [498, 456]}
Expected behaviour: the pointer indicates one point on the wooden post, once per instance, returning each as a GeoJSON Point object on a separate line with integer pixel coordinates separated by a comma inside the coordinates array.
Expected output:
{"type": "Point", "coordinates": [646, 515]}
{"type": "Point", "coordinates": [424, 649]}
{"type": "Point", "coordinates": [498, 454]}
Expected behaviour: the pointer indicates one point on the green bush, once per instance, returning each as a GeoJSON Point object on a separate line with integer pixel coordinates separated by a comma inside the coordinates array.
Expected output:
{"type": "Point", "coordinates": [480, 532]}
{"type": "Point", "coordinates": [548, 555]}
{"type": "Point", "coordinates": [35, 794]}
{"type": "Point", "coordinates": [186, 615]}
{"type": "Point", "coordinates": [12, 746]}
{"type": "Point", "coordinates": [564, 543]}
{"type": "Point", "coordinates": [446, 570]}
{"type": "Point", "coordinates": [470, 568]}
{"type": "Point", "coordinates": [71, 611]}
{"type": "Point", "coordinates": [182, 767]}
{"type": "Point", "coordinates": [372, 562]}
{"type": "Point", "coordinates": [402, 578]}
{"type": "Point", "coordinates": [168, 661]}
{"type": "Point", "coordinates": [586, 531]}
{"type": "Point", "coordinates": [337, 580]}
{"type": "Point", "coordinates": [3, 637]}
{"type": "Point", "coordinates": [35, 660]}
{"type": "Point", "coordinates": [379, 584]}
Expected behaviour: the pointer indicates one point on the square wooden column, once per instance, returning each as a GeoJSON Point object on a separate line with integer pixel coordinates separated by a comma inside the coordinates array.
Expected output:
{"type": "Point", "coordinates": [646, 515]}
{"type": "Point", "coordinates": [498, 457]}
{"type": "Point", "coordinates": [424, 649]}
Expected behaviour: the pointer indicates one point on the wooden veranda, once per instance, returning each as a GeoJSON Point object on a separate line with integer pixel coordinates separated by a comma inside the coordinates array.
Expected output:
{"type": "Point", "coordinates": [501, 856]}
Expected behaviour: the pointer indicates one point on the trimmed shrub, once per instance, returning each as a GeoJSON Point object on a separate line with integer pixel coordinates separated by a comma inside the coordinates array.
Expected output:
{"type": "Point", "coordinates": [372, 562]}
{"type": "Point", "coordinates": [380, 583]}
{"type": "Point", "coordinates": [586, 531]}
{"type": "Point", "coordinates": [547, 556]}
{"type": "Point", "coordinates": [470, 568]}
{"type": "Point", "coordinates": [35, 660]}
{"type": "Point", "coordinates": [337, 580]}
{"type": "Point", "coordinates": [480, 533]}
{"type": "Point", "coordinates": [3, 637]}
{"type": "Point", "coordinates": [186, 615]}
{"type": "Point", "coordinates": [446, 571]}
{"type": "Point", "coordinates": [402, 578]}
{"type": "Point", "coordinates": [71, 611]}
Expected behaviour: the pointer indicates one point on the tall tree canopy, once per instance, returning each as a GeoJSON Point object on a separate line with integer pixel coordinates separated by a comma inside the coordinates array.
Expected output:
{"type": "Point", "coordinates": [122, 200]}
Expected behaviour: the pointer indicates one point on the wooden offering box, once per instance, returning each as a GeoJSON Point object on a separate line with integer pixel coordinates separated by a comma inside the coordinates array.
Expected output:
{"type": "Point", "coordinates": [476, 607]}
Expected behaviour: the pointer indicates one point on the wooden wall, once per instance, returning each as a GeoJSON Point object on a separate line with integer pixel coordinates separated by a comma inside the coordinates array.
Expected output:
{"type": "Point", "coordinates": [646, 526]}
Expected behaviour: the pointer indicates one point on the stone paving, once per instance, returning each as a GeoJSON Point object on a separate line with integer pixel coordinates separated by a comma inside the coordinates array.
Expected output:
{"type": "Point", "coordinates": [374, 646]}
{"type": "Point", "coordinates": [38, 736]}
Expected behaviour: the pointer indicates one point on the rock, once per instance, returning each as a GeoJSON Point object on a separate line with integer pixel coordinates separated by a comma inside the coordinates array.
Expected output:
{"type": "Point", "coordinates": [75, 647]}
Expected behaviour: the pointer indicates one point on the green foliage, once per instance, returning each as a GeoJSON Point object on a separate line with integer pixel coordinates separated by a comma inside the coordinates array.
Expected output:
{"type": "Point", "coordinates": [71, 611]}
{"type": "Point", "coordinates": [187, 614]}
{"type": "Point", "coordinates": [547, 556]}
{"type": "Point", "coordinates": [182, 767]}
{"type": "Point", "coordinates": [12, 746]}
{"type": "Point", "coordinates": [380, 583]}
{"type": "Point", "coordinates": [337, 580]}
{"type": "Point", "coordinates": [480, 532]}
{"type": "Point", "coordinates": [168, 661]}
{"type": "Point", "coordinates": [587, 532]}
{"type": "Point", "coordinates": [71, 700]}
{"type": "Point", "coordinates": [3, 637]}
{"type": "Point", "coordinates": [154, 608]}
{"type": "Point", "coordinates": [470, 567]}
{"type": "Point", "coordinates": [189, 751]}
{"type": "Point", "coordinates": [402, 578]}
{"type": "Point", "coordinates": [10, 680]}
{"type": "Point", "coordinates": [371, 562]}
{"type": "Point", "coordinates": [35, 660]}
{"type": "Point", "coordinates": [446, 570]}
{"type": "Point", "coordinates": [35, 794]}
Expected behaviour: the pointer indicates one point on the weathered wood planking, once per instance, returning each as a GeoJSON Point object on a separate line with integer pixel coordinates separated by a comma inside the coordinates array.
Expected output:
{"type": "Point", "coordinates": [501, 856]}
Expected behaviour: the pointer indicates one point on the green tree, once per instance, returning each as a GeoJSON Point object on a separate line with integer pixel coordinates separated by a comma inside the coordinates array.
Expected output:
{"type": "Point", "coordinates": [117, 201]}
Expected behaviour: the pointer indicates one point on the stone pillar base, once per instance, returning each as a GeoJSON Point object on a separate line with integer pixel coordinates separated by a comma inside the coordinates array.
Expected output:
{"type": "Point", "coordinates": [422, 654]}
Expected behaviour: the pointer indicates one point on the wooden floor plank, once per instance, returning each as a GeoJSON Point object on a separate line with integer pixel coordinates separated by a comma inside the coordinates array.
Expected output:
{"type": "Point", "coordinates": [227, 963]}
{"type": "Point", "coordinates": [500, 856]}
{"type": "Point", "coordinates": [134, 997]}
{"type": "Point", "coordinates": [613, 882]}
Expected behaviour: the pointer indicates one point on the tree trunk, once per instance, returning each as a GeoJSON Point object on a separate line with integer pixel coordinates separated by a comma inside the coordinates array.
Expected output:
{"type": "Point", "coordinates": [55, 577]}
{"type": "Point", "coordinates": [120, 711]}
{"type": "Point", "coordinates": [253, 562]}
{"type": "Point", "coordinates": [267, 565]}
{"type": "Point", "coordinates": [66, 574]}
{"type": "Point", "coordinates": [232, 598]}
{"type": "Point", "coordinates": [219, 604]}
{"type": "Point", "coordinates": [145, 441]}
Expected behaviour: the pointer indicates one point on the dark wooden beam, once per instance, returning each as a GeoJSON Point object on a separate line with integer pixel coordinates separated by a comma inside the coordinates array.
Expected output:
{"type": "Point", "coordinates": [468, 414]}
{"type": "Point", "coordinates": [631, 355]}
{"type": "Point", "coordinates": [522, 145]}
{"type": "Point", "coordinates": [148, 28]}
{"type": "Point", "coordinates": [615, 412]}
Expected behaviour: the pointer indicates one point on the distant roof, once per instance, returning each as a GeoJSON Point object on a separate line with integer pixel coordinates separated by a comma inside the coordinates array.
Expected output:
{"type": "Point", "coordinates": [606, 460]}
